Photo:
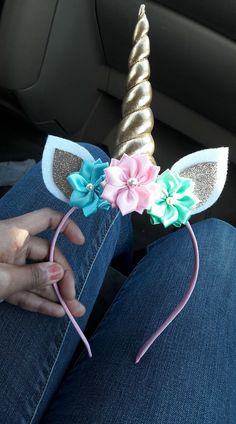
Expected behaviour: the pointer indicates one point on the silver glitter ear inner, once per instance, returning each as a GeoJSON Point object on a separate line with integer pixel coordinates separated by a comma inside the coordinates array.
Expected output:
{"type": "Point", "coordinates": [204, 176]}
{"type": "Point", "coordinates": [64, 163]}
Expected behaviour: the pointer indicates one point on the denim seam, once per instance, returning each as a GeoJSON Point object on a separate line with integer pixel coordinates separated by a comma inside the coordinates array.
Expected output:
{"type": "Point", "coordinates": [89, 256]}
{"type": "Point", "coordinates": [69, 323]}
{"type": "Point", "coordinates": [97, 253]}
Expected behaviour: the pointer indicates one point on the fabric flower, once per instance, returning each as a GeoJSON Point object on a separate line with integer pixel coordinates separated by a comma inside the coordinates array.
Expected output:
{"type": "Point", "coordinates": [87, 187]}
{"type": "Point", "coordinates": [130, 183]}
{"type": "Point", "coordinates": [176, 200]}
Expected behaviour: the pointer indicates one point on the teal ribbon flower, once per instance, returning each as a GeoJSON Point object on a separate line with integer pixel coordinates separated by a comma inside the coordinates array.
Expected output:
{"type": "Point", "coordinates": [87, 188]}
{"type": "Point", "coordinates": [176, 200]}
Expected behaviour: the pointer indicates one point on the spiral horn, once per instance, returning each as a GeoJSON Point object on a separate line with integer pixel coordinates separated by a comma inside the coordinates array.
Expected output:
{"type": "Point", "coordinates": [134, 133]}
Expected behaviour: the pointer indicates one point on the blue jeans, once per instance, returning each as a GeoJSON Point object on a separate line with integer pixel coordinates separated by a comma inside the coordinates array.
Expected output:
{"type": "Point", "coordinates": [189, 374]}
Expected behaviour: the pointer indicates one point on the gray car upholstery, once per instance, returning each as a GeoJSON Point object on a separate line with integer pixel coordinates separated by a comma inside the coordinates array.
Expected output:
{"type": "Point", "coordinates": [56, 56]}
{"type": "Point", "coordinates": [218, 16]}
{"type": "Point", "coordinates": [49, 55]}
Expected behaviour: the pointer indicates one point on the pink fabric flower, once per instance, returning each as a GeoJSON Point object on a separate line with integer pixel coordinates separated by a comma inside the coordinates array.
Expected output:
{"type": "Point", "coordinates": [130, 183]}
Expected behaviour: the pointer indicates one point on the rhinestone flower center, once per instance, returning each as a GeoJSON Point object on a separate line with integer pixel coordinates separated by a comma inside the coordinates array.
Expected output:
{"type": "Point", "coordinates": [170, 200]}
{"type": "Point", "coordinates": [90, 187]}
{"type": "Point", "coordinates": [132, 182]}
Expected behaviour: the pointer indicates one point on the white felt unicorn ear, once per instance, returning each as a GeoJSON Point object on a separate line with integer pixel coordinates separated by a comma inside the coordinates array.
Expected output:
{"type": "Point", "coordinates": [60, 158]}
{"type": "Point", "coordinates": [208, 169]}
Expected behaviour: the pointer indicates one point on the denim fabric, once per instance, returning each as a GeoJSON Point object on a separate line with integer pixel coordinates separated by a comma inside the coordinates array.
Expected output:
{"type": "Point", "coordinates": [35, 350]}
{"type": "Point", "coordinates": [189, 374]}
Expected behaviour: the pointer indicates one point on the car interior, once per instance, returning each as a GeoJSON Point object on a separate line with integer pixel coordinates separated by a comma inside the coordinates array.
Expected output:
{"type": "Point", "coordinates": [63, 70]}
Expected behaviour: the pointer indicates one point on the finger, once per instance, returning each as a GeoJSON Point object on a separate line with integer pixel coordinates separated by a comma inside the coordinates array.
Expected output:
{"type": "Point", "coordinates": [34, 303]}
{"type": "Point", "coordinates": [47, 292]}
{"type": "Point", "coordinates": [38, 250]}
{"type": "Point", "coordinates": [76, 308]}
{"type": "Point", "coordinates": [35, 276]}
{"type": "Point", "coordinates": [67, 285]}
{"type": "Point", "coordinates": [42, 219]}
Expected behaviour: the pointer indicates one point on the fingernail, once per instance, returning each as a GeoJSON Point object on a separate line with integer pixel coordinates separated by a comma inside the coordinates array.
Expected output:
{"type": "Point", "coordinates": [55, 272]}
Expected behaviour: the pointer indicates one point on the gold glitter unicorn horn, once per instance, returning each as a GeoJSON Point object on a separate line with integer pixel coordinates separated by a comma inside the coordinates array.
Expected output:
{"type": "Point", "coordinates": [134, 133]}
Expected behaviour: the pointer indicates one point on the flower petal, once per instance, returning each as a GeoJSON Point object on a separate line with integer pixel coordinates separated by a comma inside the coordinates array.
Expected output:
{"type": "Point", "coordinates": [183, 214]}
{"type": "Point", "coordinates": [155, 191]}
{"type": "Point", "coordinates": [186, 201]}
{"type": "Point", "coordinates": [145, 197]}
{"type": "Point", "coordinates": [186, 184]}
{"type": "Point", "coordinates": [155, 220]}
{"type": "Point", "coordinates": [127, 201]}
{"type": "Point", "coordinates": [146, 172]}
{"type": "Point", "coordinates": [171, 216]}
{"type": "Point", "coordinates": [86, 169]}
{"type": "Point", "coordinates": [158, 209]}
{"type": "Point", "coordinates": [80, 199]}
{"type": "Point", "coordinates": [110, 193]}
{"type": "Point", "coordinates": [115, 176]}
{"type": "Point", "coordinates": [91, 207]}
{"type": "Point", "coordinates": [97, 173]}
{"type": "Point", "coordinates": [77, 182]}
{"type": "Point", "coordinates": [129, 166]}
{"type": "Point", "coordinates": [143, 163]}
{"type": "Point", "coordinates": [151, 175]}
{"type": "Point", "coordinates": [114, 162]}
{"type": "Point", "coordinates": [169, 181]}
{"type": "Point", "coordinates": [98, 187]}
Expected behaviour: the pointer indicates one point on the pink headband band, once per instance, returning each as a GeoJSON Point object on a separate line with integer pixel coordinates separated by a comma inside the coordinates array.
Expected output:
{"type": "Point", "coordinates": [165, 324]}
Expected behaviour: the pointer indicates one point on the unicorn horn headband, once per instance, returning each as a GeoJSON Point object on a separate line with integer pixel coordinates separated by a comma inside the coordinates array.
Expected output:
{"type": "Point", "coordinates": [132, 181]}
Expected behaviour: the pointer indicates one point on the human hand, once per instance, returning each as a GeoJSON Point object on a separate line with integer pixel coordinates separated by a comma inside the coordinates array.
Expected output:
{"type": "Point", "coordinates": [29, 286]}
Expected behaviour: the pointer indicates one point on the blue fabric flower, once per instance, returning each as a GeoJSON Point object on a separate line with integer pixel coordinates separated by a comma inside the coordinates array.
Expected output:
{"type": "Point", "coordinates": [86, 184]}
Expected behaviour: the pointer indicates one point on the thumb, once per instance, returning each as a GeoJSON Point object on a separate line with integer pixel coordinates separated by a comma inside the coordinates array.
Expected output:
{"type": "Point", "coordinates": [27, 277]}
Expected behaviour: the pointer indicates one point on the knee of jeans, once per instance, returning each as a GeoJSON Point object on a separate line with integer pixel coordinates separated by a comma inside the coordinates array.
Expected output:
{"type": "Point", "coordinates": [214, 223]}
{"type": "Point", "coordinates": [219, 231]}
{"type": "Point", "coordinates": [215, 238]}
{"type": "Point", "coordinates": [217, 244]}
{"type": "Point", "coordinates": [96, 152]}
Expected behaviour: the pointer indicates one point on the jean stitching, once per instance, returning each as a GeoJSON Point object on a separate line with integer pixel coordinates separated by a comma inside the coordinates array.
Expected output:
{"type": "Point", "coordinates": [69, 323]}
{"type": "Point", "coordinates": [97, 253]}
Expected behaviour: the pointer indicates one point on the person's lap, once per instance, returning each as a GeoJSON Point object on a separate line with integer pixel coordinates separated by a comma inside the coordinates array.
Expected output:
{"type": "Point", "coordinates": [189, 374]}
